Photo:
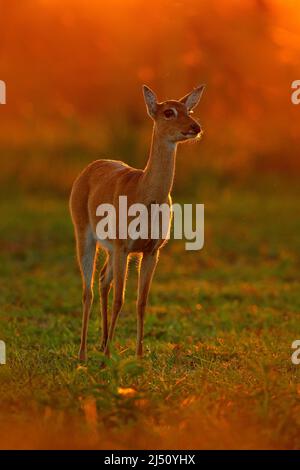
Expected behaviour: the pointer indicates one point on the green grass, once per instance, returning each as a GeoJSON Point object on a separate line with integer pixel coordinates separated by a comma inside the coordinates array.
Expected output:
{"type": "Point", "coordinates": [217, 371]}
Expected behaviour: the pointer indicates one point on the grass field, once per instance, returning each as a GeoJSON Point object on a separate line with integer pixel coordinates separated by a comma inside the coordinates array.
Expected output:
{"type": "Point", "coordinates": [217, 371]}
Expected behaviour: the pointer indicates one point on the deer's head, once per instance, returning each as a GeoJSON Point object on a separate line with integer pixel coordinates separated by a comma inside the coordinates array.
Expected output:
{"type": "Point", "coordinates": [173, 118]}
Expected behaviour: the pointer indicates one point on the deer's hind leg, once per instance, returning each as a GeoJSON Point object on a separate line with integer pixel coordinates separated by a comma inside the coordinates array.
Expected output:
{"type": "Point", "coordinates": [105, 280]}
{"type": "Point", "coordinates": [147, 268]}
{"type": "Point", "coordinates": [120, 262]}
{"type": "Point", "coordinates": [86, 254]}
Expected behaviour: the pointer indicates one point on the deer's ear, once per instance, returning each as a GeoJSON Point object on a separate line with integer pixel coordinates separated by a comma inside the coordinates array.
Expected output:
{"type": "Point", "coordinates": [150, 100]}
{"type": "Point", "coordinates": [191, 100]}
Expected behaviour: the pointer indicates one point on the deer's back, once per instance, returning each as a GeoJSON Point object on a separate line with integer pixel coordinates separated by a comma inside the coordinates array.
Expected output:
{"type": "Point", "coordinates": [101, 182]}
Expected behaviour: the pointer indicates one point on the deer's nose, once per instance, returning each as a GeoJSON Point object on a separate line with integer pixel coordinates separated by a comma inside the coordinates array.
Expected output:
{"type": "Point", "coordinates": [195, 128]}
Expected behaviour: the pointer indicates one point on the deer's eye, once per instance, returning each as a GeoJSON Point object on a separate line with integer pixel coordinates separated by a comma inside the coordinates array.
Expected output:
{"type": "Point", "coordinates": [169, 113]}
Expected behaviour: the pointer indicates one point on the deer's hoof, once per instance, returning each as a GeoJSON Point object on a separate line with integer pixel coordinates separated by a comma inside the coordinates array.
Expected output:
{"type": "Point", "coordinates": [82, 356]}
{"type": "Point", "coordinates": [107, 352]}
{"type": "Point", "coordinates": [102, 365]}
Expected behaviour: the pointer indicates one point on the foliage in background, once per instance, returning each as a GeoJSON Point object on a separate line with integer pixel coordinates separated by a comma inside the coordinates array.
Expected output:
{"type": "Point", "coordinates": [74, 72]}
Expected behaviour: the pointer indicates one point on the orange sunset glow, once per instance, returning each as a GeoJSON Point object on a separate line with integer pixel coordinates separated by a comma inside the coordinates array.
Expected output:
{"type": "Point", "coordinates": [221, 321]}
{"type": "Point", "coordinates": [73, 68]}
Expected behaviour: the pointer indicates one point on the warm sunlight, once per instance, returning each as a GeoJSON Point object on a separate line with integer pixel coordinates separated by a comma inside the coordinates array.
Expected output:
{"type": "Point", "coordinates": [150, 342]}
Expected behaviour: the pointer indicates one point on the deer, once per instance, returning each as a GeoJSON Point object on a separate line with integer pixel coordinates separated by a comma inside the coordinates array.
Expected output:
{"type": "Point", "coordinates": [103, 181]}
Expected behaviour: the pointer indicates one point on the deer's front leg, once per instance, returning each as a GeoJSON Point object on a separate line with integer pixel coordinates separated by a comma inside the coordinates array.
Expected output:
{"type": "Point", "coordinates": [119, 276]}
{"type": "Point", "coordinates": [146, 272]}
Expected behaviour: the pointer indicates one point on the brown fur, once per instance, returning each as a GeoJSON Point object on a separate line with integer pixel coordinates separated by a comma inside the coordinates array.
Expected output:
{"type": "Point", "coordinates": [103, 181]}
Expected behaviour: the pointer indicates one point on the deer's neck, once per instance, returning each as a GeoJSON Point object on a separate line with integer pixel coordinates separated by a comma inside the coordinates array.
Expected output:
{"type": "Point", "coordinates": [160, 168]}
